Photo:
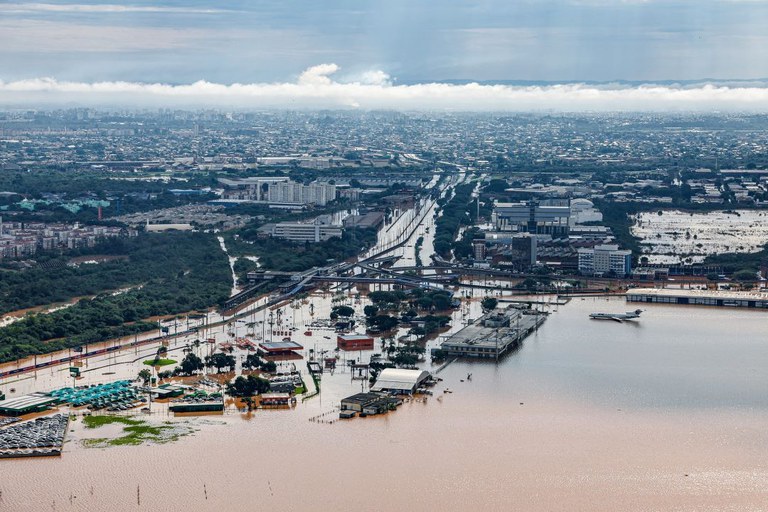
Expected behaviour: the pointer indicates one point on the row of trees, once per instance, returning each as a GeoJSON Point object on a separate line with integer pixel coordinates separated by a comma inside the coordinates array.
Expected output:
{"type": "Point", "coordinates": [282, 255]}
{"type": "Point", "coordinates": [416, 299]}
{"type": "Point", "coordinates": [455, 213]}
{"type": "Point", "coordinates": [254, 362]}
{"type": "Point", "coordinates": [195, 276]}
{"type": "Point", "coordinates": [141, 259]}
{"type": "Point", "coordinates": [247, 386]}
{"type": "Point", "coordinates": [341, 311]}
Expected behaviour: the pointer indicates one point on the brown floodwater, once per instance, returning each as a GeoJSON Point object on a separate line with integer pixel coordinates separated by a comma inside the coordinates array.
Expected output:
{"type": "Point", "coordinates": [665, 414]}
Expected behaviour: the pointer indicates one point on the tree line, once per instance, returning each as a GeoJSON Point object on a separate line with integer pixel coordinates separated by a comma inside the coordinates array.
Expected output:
{"type": "Point", "coordinates": [181, 272]}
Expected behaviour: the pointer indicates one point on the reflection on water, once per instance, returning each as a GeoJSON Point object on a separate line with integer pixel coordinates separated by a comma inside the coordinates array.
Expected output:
{"type": "Point", "coordinates": [667, 414]}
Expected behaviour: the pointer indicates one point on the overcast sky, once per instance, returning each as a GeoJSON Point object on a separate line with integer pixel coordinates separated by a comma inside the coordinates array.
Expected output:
{"type": "Point", "coordinates": [380, 43]}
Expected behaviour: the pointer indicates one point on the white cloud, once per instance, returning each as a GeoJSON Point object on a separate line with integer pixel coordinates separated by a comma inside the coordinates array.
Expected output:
{"type": "Point", "coordinates": [100, 8]}
{"type": "Point", "coordinates": [376, 77]}
{"type": "Point", "coordinates": [315, 88]}
{"type": "Point", "coordinates": [318, 75]}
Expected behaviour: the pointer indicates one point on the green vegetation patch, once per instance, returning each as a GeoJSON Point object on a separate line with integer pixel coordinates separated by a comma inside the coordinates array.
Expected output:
{"type": "Point", "coordinates": [159, 362]}
{"type": "Point", "coordinates": [283, 255]}
{"type": "Point", "coordinates": [456, 212]}
{"type": "Point", "coordinates": [178, 272]}
{"type": "Point", "coordinates": [99, 421]}
{"type": "Point", "coordinates": [135, 432]}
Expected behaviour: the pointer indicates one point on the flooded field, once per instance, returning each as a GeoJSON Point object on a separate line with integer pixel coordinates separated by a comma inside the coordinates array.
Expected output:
{"type": "Point", "coordinates": [679, 237]}
{"type": "Point", "coordinates": [665, 414]}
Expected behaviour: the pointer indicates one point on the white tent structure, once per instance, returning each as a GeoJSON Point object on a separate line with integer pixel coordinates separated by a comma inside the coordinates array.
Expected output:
{"type": "Point", "coordinates": [398, 380]}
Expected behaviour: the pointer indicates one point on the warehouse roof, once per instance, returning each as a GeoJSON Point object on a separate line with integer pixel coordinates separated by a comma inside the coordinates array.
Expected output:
{"type": "Point", "coordinates": [26, 403]}
{"type": "Point", "coordinates": [398, 379]}
{"type": "Point", "coordinates": [719, 294]}
{"type": "Point", "coordinates": [277, 346]}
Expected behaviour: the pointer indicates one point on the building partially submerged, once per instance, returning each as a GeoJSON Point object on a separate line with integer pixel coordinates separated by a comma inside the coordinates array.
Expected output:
{"type": "Point", "coordinates": [279, 350]}
{"type": "Point", "coordinates": [400, 381]}
{"type": "Point", "coordinates": [369, 403]}
{"type": "Point", "coordinates": [354, 342]}
{"type": "Point", "coordinates": [36, 402]}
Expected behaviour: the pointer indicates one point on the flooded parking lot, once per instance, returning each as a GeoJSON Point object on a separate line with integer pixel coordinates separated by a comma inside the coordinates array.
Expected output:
{"type": "Point", "coordinates": [675, 236]}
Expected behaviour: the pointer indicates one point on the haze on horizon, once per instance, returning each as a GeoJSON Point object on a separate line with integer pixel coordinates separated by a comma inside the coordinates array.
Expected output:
{"type": "Point", "coordinates": [394, 54]}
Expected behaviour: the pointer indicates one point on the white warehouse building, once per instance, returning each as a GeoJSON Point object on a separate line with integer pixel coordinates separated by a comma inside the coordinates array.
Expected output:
{"type": "Point", "coordinates": [605, 259]}
{"type": "Point", "coordinates": [398, 380]}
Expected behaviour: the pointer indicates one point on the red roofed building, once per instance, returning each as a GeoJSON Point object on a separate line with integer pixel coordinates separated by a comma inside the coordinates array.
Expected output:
{"type": "Point", "coordinates": [354, 342]}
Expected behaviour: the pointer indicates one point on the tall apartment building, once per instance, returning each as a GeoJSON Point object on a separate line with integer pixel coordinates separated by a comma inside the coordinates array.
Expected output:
{"type": "Point", "coordinates": [297, 193]}
{"type": "Point", "coordinates": [249, 189]}
{"type": "Point", "coordinates": [278, 190]}
{"type": "Point", "coordinates": [604, 259]}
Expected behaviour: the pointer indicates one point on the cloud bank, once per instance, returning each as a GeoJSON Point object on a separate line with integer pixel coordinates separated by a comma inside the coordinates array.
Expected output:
{"type": "Point", "coordinates": [100, 9]}
{"type": "Point", "coordinates": [317, 88]}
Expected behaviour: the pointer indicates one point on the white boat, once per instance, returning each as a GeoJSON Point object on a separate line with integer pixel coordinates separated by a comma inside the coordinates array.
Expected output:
{"type": "Point", "coordinates": [617, 317]}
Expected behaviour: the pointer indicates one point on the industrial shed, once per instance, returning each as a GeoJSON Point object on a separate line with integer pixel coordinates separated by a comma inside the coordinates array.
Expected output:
{"type": "Point", "coordinates": [36, 402]}
{"type": "Point", "coordinates": [398, 380]}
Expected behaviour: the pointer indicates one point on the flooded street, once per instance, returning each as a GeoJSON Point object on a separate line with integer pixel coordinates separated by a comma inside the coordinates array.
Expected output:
{"type": "Point", "coordinates": [664, 414]}
{"type": "Point", "coordinates": [231, 259]}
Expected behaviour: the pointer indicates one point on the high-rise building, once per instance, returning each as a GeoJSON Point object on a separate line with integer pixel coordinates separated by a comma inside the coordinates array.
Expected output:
{"type": "Point", "coordinates": [479, 249]}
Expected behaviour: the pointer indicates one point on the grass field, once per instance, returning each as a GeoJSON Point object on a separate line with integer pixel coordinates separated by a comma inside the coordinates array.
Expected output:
{"type": "Point", "coordinates": [159, 362]}
{"type": "Point", "coordinates": [134, 432]}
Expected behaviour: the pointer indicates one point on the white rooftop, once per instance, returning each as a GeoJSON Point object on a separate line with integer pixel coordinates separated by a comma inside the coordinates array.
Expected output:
{"type": "Point", "coordinates": [720, 294]}
{"type": "Point", "coordinates": [399, 379]}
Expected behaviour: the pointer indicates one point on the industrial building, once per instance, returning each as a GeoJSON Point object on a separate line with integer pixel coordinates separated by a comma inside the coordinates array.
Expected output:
{"type": "Point", "coordinates": [168, 391]}
{"type": "Point", "coordinates": [276, 399]}
{"type": "Point", "coordinates": [399, 380]}
{"type": "Point", "coordinates": [197, 406]}
{"type": "Point", "coordinates": [492, 335]}
{"type": "Point", "coordinates": [279, 350]}
{"type": "Point", "coordinates": [746, 299]}
{"type": "Point", "coordinates": [366, 221]}
{"type": "Point", "coordinates": [35, 402]}
{"type": "Point", "coordinates": [369, 403]}
{"type": "Point", "coordinates": [547, 217]}
{"type": "Point", "coordinates": [319, 229]}
{"type": "Point", "coordinates": [354, 342]}
{"type": "Point", "coordinates": [512, 251]}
